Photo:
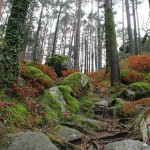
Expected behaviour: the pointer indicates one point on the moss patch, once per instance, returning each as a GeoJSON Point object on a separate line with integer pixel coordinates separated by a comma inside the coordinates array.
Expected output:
{"type": "Point", "coordinates": [77, 81]}
{"type": "Point", "coordinates": [70, 100]}
{"type": "Point", "coordinates": [120, 107]}
{"type": "Point", "coordinates": [138, 86]}
{"type": "Point", "coordinates": [147, 78]}
{"type": "Point", "coordinates": [16, 115]}
{"type": "Point", "coordinates": [38, 75]}
{"type": "Point", "coordinates": [50, 100]}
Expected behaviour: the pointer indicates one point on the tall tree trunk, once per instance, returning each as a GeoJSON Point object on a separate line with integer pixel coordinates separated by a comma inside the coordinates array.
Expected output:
{"type": "Point", "coordinates": [9, 64]}
{"type": "Point", "coordinates": [131, 43]}
{"type": "Point", "coordinates": [135, 28]}
{"type": "Point", "coordinates": [111, 43]}
{"type": "Point", "coordinates": [85, 51]}
{"type": "Point", "coordinates": [123, 31]}
{"type": "Point", "coordinates": [99, 41]}
{"type": "Point", "coordinates": [56, 32]}
{"type": "Point", "coordinates": [35, 49]}
{"type": "Point", "coordinates": [139, 34]}
{"type": "Point", "coordinates": [96, 66]}
{"type": "Point", "coordinates": [28, 31]}
{"type": "Point", "coordinates": [77, 44]}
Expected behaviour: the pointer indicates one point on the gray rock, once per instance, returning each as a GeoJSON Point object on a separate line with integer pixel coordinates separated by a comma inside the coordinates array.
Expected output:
{"type": "Point", "coordinates": [69, 134]}
{"type": "Point", "coordinates": [130, 94]}
{"type": "Point", "coordinates": [28, 141]}
{"type": "Point", "coordinates": [86, 122]}
{"type": "Point", "coordinates": [84, 80]}
{"type": "Point", "coordinates": [127, 145]}
{"type": "Point", "coordinates": [103, 103]}
{"type": "Point", "coordinates": [111, 111]}
{"type": "Point", "coordinates": [59, 96]}
{"type": "Point", "coordinates": [113, 102]}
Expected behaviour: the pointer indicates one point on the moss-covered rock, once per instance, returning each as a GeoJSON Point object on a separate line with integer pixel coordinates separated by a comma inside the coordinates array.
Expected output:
{"type": "Point", "coordinates": [59, 63]}
{"type": "Point", "coordinates": [69, 134]}
{"type": "Point", "coordinates": [38, 75]}
{"type": "Point", "coordinates": [136, 91]}
{"type": "Point", "coordinates": [89, 123]}
{"type": "Point", "coordinates": [71, 101]}
{"type": "Point", "coordinates": [50, 100]}
{"type": "Point", "coordinates": [120, 107]}
{"type": "Point", "coordinates": [77, 81]}
{"type": "Point", "coordinates": [87, 101]}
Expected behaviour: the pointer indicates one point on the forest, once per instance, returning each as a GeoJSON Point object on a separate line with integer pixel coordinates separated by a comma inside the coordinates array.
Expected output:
{"type": "Point", "coordinates": [74, 74]}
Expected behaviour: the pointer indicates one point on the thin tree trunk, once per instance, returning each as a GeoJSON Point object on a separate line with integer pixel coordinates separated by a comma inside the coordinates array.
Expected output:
{"type": "Point", "coordinates": [135, 28]}
{"type": "Point", "coordinates": [35, 49]}
{"type": "Point", "coordinates": [56, 31]}
{"type": "Point", "coordinates": [131, 43]}
{"type": "Point", "coordinates": [77, 44]}
{"type": "Point", "coordinates": [139, 34]}
{"type": "Point", "coordinates": [99, 41]}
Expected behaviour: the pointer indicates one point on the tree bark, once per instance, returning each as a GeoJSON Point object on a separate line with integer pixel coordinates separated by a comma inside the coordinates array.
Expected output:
{"type": "Point", "coordinates": [135, 28]}
{"type": "Point", "coordinates": [111, 44]}
{"type": "Point", "coordinates": [131, 43]}
{"type": "Point", "coordinates": [77, 44]}
{"type": "Point", "coordinates": [9, 56]}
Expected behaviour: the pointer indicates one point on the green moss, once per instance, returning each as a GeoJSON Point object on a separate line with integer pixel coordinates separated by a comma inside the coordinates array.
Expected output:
{"type": "Point", "coordinates": [89, 123]}
{"type": "Point", "coordinates": [50, 100]}
{"type": "Point", "coordinates": [71, 101]}
{"type": "Point", "coordinates": [75, 81]}
{"type": "Point", "coordinates": [123, 73]}
{"type": "Point", "coordinates": [34, 73]}
{"type": "Point", "coordinates": [86, 102]}
{"type": "Point", "coordinates": [15, 115]}
{"type": "Point", "coordinates": [8, 98]}
{"type": "Point", "coordinates": [138, 86]}
{"type": "Point", "coordinates": [119, 107]}
{"type": "Point", "coordinates": [147, 78]}
{"type": "Point", "coordinates": [58, 63]}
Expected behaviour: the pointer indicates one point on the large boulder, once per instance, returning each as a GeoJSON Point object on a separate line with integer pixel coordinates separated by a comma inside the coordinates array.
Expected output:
{"type": "Point", "coordinates": [28, 141]}
{"type": "Point", "coordinates": [127, 145]}
{"type": "Point", "coordinates": [136, 91]}
{"type": "Point", "coordinates": [69, 134]}
{"type": "Point", "coordinates": [77, 81]}
{"type": "Point", "coordinates": [59, 96]}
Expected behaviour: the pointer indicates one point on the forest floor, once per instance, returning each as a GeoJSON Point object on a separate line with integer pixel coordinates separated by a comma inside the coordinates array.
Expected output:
{"type": "Point", "coordinates": [115, 129]}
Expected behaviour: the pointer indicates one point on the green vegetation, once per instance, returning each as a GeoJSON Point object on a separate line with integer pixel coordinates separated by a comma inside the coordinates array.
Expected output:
{"type": "Point", "coordinates": [16, 115]}
{"type": "Point", "coordinates": [147, 78]}
{"type": "Point", "coordinates": [119, 107]}
{"type": "Point", "coordinates": [58, 62]}
{"type": "Point", "coordinates": [139, 86]}
{"type": "Point", "coordinates": [87, 101]}
{"type": "Point", "coordinates": [50, 100]}
{"type": "Point", "coordinates": [71, 101]}
{"type": "Point", "coordinates": [77, 81]}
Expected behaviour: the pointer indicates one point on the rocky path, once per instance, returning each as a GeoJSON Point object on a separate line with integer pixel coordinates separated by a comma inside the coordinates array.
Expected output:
{"type": "Point", "coordinates": [114, 129]}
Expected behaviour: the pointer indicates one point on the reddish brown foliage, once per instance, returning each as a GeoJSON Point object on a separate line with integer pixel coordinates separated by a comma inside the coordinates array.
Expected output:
{"type": "Point", "coordinates": [131, 107]}
{"type": "Point", "coordinates": [68, 72]}
{"type": "Point", "coordinates": [140, 62]}
{"type": "Point", "coordinates": [134, 76]}
{"type": "Point", "coordinates": [27, 88]}
{"type": "Point", "coordinates": [97, 76]}
{"type": "Point", "coordinates": [24, 92]}
{"type": "Point", "coordinates": [46, 70]}
{"type": "Point", "coordinates": [34, 108]}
